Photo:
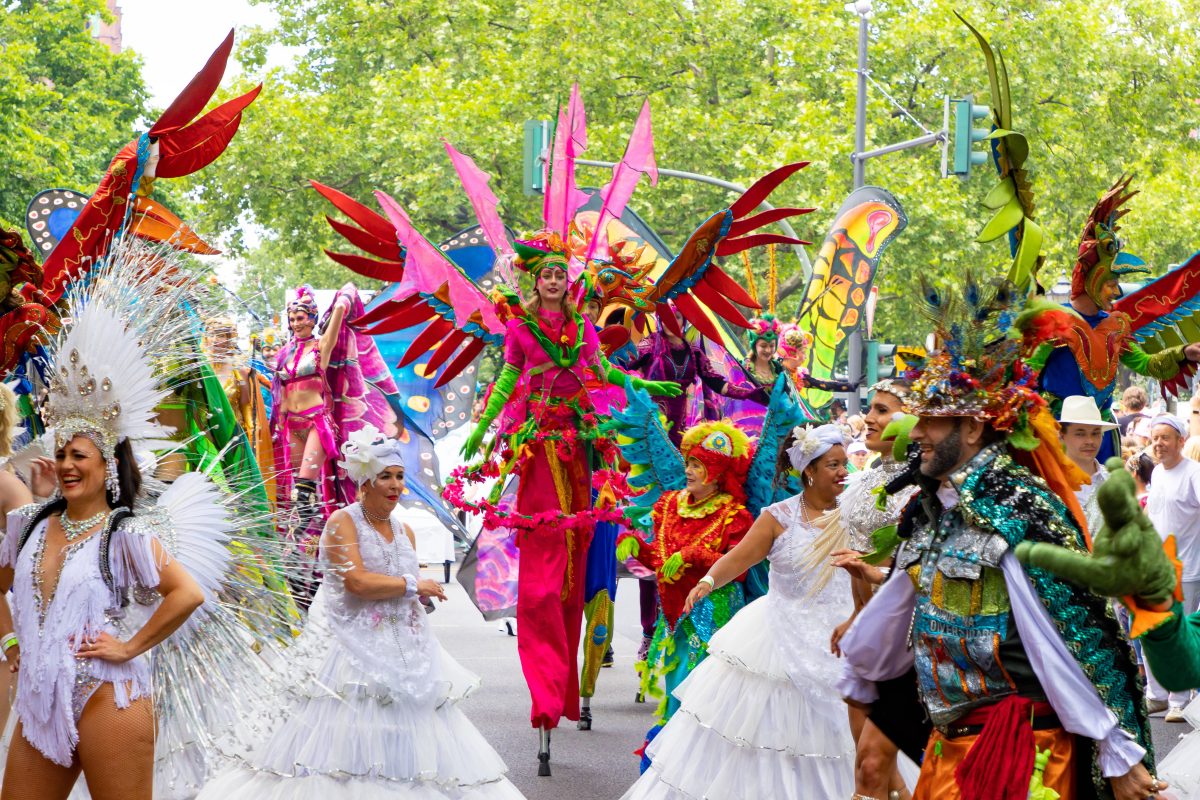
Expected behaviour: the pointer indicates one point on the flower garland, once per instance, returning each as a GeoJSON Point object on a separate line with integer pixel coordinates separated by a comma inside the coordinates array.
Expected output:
{"type": "Point", "coordinates": [612, 486]}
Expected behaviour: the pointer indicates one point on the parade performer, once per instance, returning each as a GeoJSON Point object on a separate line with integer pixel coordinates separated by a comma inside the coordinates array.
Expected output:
{"type": "Point", "coordinates": [371, 707]}
{"type": "Point", "coordinates": [244, 389]}
{"type": "Point", "coordinates": [264, 348]}
{"type": "Point", "coordinates": [666, 356]}
{"type": "Point", "coordinates": [13, 495]}
{"type": "Point", "coordinates": [1037, 668]}
{"type": "Point", "coordinates": [135, 633]}
{"type": "Point", "coordinates": [325, 387]}
{"type": "Point", "coordinates": [693, 527]}
{"type": "Point", "coordinates": [868, 515]}
{"type": "Point", "coordinates": [548, 438]}
{"type": "Point", "coordinates": [1079, 347]}
{"type": "Point", "coordinates": [548, 432]}
{"type": "Point", "coordinates": [760, 717]}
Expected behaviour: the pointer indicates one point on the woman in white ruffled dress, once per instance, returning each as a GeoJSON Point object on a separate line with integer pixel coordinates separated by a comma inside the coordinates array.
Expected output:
{"type": "Point", "coordinates": [369, 709]}
{"type": "Point", "coordinates": [760, 716]}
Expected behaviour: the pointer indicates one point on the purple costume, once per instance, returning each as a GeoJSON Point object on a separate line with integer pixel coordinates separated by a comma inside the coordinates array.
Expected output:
{"type": "Point", "coordinates": [658, 360]}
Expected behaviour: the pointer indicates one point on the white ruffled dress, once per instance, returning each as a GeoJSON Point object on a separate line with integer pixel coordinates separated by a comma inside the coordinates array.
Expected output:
{"type": "Point", "coordinates": [371, 710]}
{"type": "Point", "coordinates": [760, 716]}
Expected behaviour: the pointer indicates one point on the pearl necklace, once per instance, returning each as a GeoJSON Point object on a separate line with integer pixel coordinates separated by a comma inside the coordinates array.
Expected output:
{"type": "Point", "coordinates": [371, 517]}
{"type": "Point", "coordinates": [805, 513]}
{"type": "Point", "coordinates": [73, 530]}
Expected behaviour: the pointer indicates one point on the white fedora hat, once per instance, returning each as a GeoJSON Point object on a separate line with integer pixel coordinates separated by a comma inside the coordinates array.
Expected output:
{"type": "Point", "coordinates": [1081, 410]}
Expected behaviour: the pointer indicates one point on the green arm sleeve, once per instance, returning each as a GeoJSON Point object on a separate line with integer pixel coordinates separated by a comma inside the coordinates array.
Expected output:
{"type": "Point", "coordinates": [506, 382]}
{"type": "Point", "coordinates": [1161, 366]}
{"type": "Point", "coordinates": [1172, 651]}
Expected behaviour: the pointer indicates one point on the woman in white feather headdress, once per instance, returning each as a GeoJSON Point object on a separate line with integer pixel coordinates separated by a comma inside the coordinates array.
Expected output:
{"type": "Point", "coordinates": [372, 708]}
{"type": "Point", "coordinates": [142, 620]}
{"type": "Point", "coordinates": [76, 564]}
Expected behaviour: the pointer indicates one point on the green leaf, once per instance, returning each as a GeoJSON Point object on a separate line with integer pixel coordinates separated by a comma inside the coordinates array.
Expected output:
{"type": "Point", "coordinates": [1004, 221]}
{"type": "Point", "coordinates": [1028, 251]}
{"type": "Point", "coordinates": [1000, 195]}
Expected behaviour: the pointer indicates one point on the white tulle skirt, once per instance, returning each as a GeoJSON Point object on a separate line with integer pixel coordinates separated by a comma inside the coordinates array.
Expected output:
{"type": "Point", "coordinates": [1181, 767]}
{"type": "Point", "coordinates": [746, 729]}
{"type": "Point", "coordinates": [342, 733]}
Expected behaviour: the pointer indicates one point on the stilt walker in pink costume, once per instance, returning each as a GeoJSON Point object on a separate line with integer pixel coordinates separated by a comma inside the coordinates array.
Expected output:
{"type": "Point", "coordinates": [546, 440]}
{"type": "Point", "coordinates": [549, 430]}
{"type": "Point", "coordinates": [325, 388]}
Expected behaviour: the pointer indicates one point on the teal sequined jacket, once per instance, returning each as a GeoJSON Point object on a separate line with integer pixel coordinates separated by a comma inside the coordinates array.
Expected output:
{"type": "Point", "coordinates": [1003, 498]}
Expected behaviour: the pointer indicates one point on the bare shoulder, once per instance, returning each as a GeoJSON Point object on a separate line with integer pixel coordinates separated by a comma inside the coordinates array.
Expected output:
{"type": "Point", "coordinates": [13, 492]}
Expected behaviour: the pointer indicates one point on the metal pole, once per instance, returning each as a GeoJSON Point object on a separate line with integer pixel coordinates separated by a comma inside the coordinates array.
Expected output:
{"type": "Point", "coordinates": [733, 187]}
{"type": "Point", "coordinates": [854, 365]}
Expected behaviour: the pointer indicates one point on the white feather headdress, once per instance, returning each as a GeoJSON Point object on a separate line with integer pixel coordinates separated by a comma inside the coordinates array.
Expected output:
{"type": "Point", "coordinates": [122, 339]}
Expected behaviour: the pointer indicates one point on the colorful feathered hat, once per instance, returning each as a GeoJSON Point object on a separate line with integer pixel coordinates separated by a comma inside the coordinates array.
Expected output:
{"type": "Point", "coordinates": [978, 370]}
{"type": "Point", "coordinates": [306, 301]}
{"type": "Point", "coordinates": [540, 250]}
{"type": "Point", "coordinates": [1100, 257]}
{"type": "Point", "coordinates": [764, 328]}
{"type": "Point", "coordinates": [725, 452]}
{"type": "Point", "coordinates": [793, 342]}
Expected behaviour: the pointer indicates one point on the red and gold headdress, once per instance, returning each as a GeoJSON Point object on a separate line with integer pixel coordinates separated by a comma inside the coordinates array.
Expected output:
{"type": "Point", "coordinates": [725, 452]}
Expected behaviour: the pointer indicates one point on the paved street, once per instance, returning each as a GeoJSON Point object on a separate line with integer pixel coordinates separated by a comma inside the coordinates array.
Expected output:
{"type": "Point", "coordinates": [594, 765]}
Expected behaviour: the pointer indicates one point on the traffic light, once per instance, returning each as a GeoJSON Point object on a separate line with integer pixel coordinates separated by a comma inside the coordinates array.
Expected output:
{"type": "Point", "coordinates": [537, 142]}
{"type": "Point", "coordinates": [880, 361]}
{"type": "Point", "coordinates": [966, 135]}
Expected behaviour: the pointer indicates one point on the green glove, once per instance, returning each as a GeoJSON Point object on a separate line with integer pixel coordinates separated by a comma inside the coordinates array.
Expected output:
{"type": "Point", "coordinates": [627, 548]}
{"type": "Point", "coordinates": [1127, 554]}
{"type": "Point", "coordinates": [659, 388]}
{"type": "Point", "coordinates": [671, 567]}
{"type": "Point", "coordinates": [506, 382]}
{"type": "Point", "coordinates": [616, 377]}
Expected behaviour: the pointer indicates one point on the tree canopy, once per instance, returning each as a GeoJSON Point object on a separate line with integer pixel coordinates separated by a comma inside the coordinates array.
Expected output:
{"type": "Point", "coordinates": [68, 102]}
{"type": "Point", "coordinates": [736, 89]}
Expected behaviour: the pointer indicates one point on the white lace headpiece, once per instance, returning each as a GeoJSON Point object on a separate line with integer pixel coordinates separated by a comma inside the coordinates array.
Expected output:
{"type": "Point", "coordinates": [812, 443]}
{"type": "Point", "coordinates": [367, 453]}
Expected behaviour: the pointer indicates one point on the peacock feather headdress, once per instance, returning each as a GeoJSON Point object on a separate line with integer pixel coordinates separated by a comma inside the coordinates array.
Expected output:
{"type": "Point", "coordinates": [977, 370]}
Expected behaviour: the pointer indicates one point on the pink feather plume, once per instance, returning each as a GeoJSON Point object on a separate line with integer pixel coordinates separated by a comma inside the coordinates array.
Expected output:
{"type": "Point", "coordinates": [637, 161]}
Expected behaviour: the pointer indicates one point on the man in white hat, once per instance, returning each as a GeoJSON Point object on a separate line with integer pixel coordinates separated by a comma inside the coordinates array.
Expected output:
{"type": "Point", "coordinates": [1173, 505]}
{"type": "Point", "coordinates": [1082, 434]}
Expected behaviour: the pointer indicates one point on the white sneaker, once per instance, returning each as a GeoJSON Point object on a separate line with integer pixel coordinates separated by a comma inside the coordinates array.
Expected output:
{"type": "Point", "coordinates": [1175, 714]}
{"type": "Point", "coordinates": [1155, 706]}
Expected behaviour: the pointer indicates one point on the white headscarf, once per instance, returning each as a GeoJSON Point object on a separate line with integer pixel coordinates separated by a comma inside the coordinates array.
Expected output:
{"type": "Point", "coordinates": [367, 453]}
{"type": "Point", "coordinates": [1172, 420]}
{"type": "Point", "coordinates": [812, 443]}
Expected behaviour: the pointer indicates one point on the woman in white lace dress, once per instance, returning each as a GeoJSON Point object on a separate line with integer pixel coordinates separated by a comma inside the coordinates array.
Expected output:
{"type": "Point", "coordinates": [369, 706]}
{"type": "Point", "coordinates": [760, 717]}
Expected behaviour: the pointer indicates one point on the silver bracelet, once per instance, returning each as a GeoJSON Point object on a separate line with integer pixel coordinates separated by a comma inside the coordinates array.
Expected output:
{"type": "Point", "coordinates": [410, 585]}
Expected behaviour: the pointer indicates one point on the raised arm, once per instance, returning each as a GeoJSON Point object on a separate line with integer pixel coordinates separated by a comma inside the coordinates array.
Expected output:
{"type": "Point", "coordinates": [334, 327]}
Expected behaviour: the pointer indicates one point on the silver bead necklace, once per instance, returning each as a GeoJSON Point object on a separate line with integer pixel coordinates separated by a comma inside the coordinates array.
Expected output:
{"type": "Point", "coordinates": [73, 530]}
